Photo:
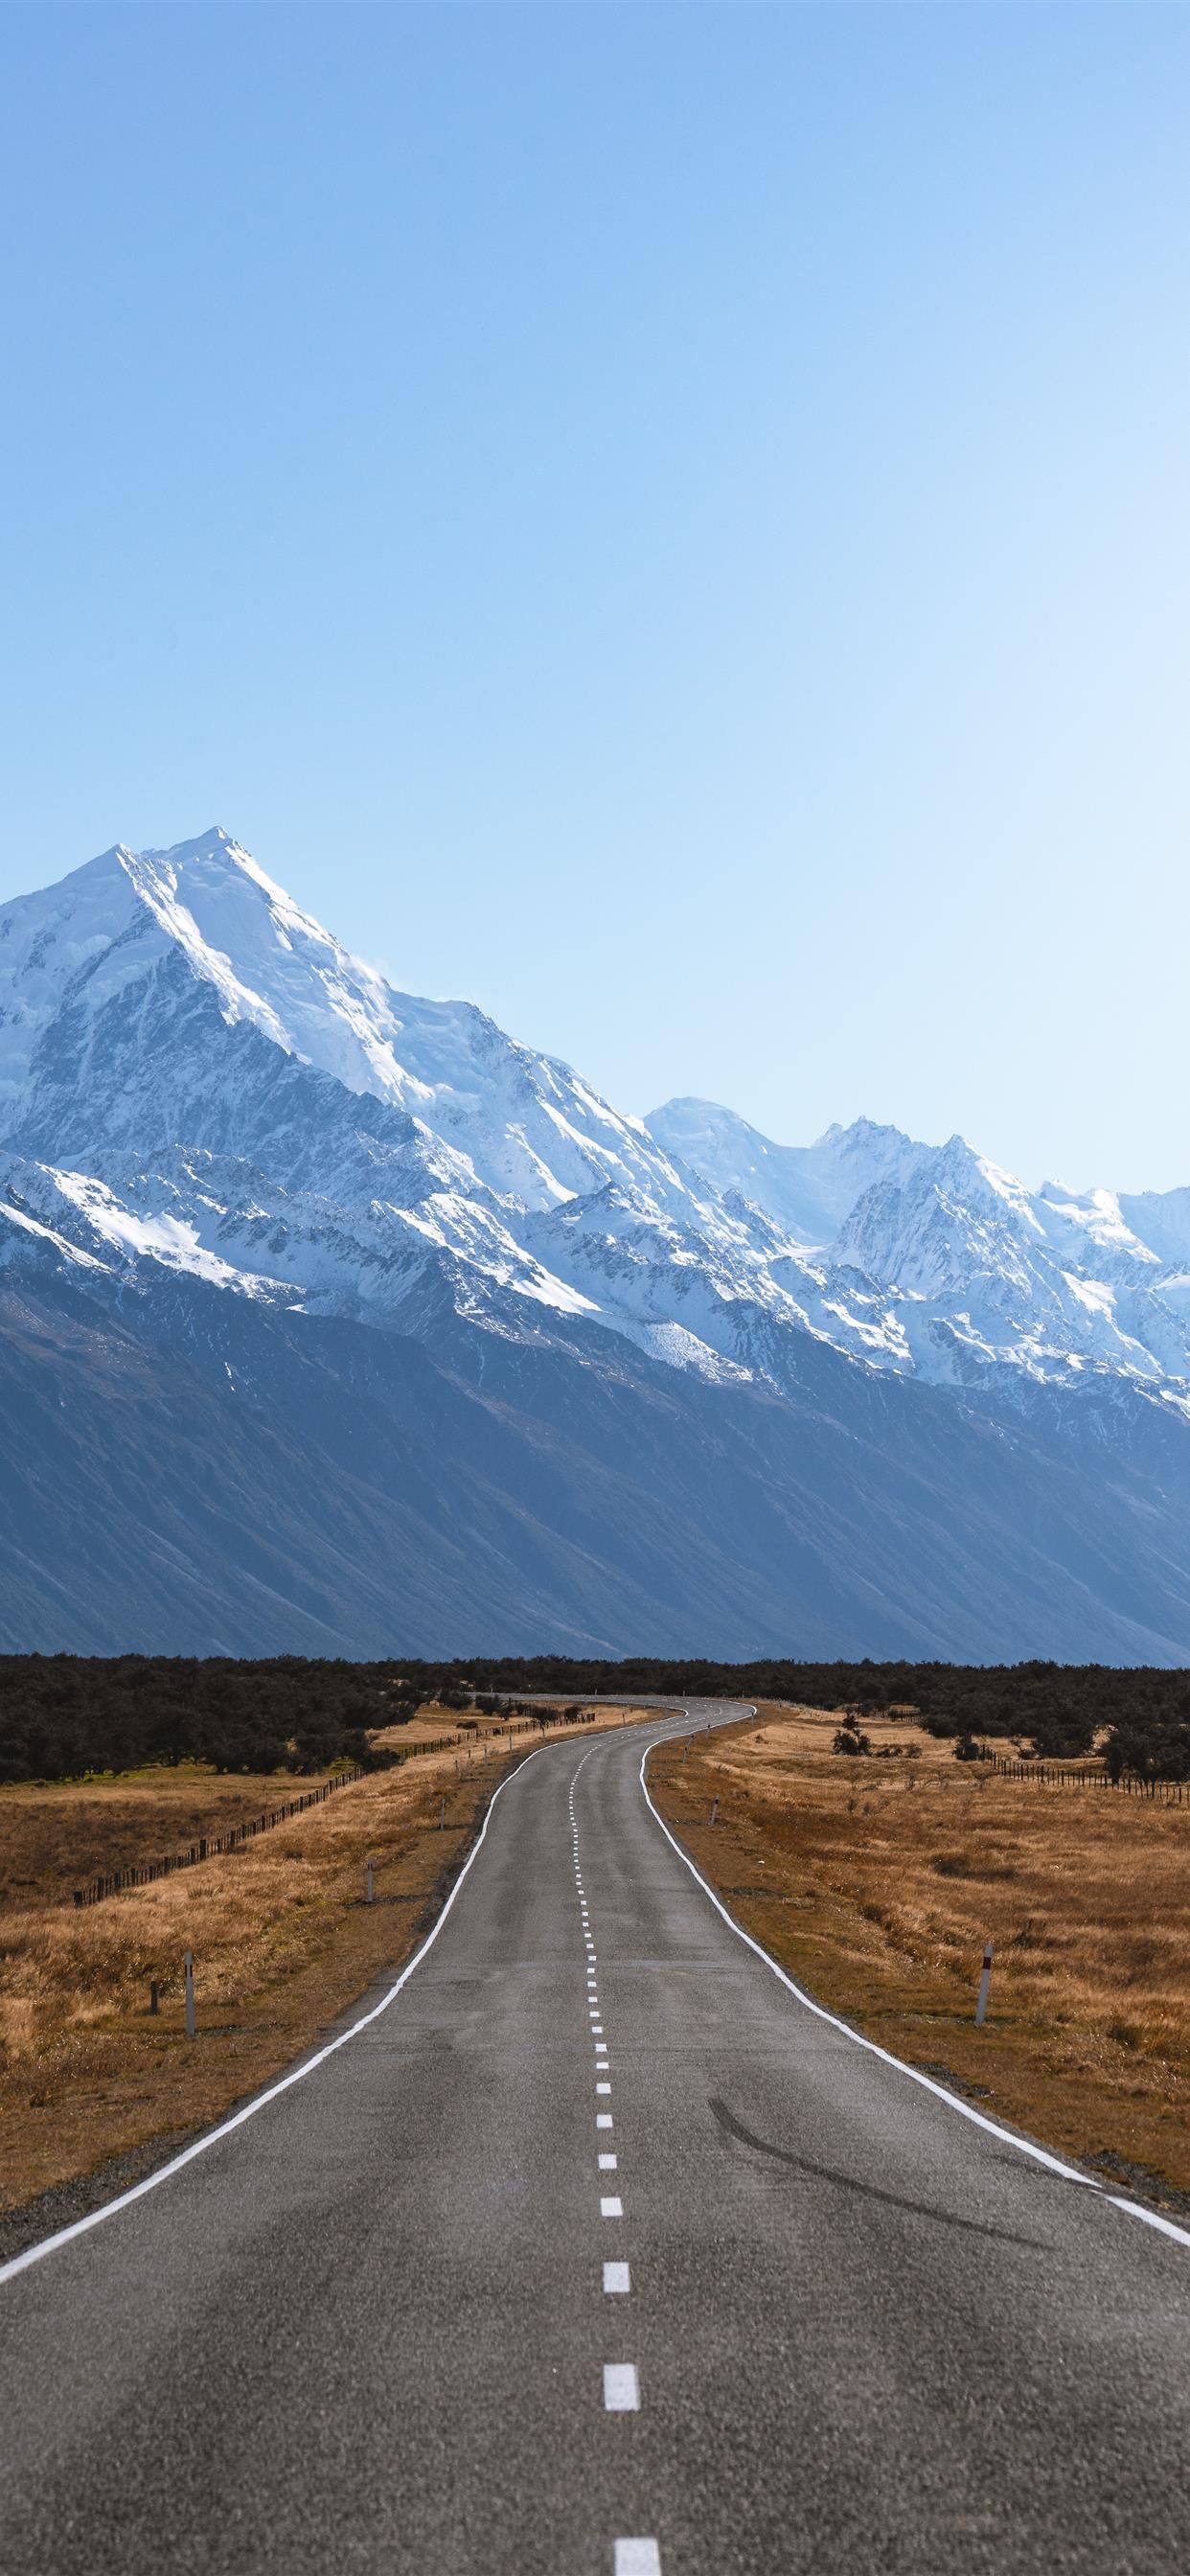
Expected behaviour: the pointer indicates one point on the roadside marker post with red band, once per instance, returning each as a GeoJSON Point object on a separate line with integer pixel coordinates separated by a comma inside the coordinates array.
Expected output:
{"type": "Point", "coordinates": [984, 1983]}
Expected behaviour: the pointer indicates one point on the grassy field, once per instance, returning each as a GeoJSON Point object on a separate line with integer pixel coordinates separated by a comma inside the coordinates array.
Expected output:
{"type": "Point", "coordinates": [875, 1882]}
{"type": "Point", "coordinates": [281, 1937]}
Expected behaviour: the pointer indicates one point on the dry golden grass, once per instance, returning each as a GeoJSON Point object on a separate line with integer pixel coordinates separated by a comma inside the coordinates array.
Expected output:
{"type": "Point", "coordinates": [876, 1882]}
{"type": "Point", "coordinates": [281, 1937]}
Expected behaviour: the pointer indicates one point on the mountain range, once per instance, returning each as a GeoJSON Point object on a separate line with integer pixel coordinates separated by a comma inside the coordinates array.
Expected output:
{"type": "Point", "coordinates": [335, 1320]}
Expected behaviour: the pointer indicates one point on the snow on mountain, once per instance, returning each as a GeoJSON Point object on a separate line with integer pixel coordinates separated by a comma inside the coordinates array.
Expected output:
{"type": "Point", "coordinates": [1160, 1219]}
{"type": "Point", "coordinates": [111, 924]}
{"type": "Point", "coordinates": [526, 1124]}
{"type": "Point", "coordinates": [967, 1270]}
{"type": "Point", "coordinates": [195, 1077]}
{"type": "Point", "coordinates": [986, 1271]}
{"type": "Point", "coordinates": [333, 1316]}
{"type": "Point", "coordinates": [713, 1270]}
{"type": "Point", "coordinates": [807, 1190]}
{"type": "Point", "coordinates": [157, 1002]}
{"type": "Point", "coordinates": [249, 1095]}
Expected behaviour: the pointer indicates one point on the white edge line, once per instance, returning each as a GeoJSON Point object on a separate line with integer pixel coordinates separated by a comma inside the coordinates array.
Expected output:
{"type": "Point", "coordinates": [95, 2217]}
{"type": "Point", "coordinates": [965, 2110]}
{"type": "Point", "coordinates": [1151, 2217]}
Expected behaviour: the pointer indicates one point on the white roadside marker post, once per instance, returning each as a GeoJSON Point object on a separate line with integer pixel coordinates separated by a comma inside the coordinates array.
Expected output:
{"type": "Point", "coordinates": [984, 1983]}
{"type": "Point", "coordinates": [188, 1964]}
{"type": "Point", "coordinates": [369, 1898]}
{"type": "Point", "coordinates": [442, 1816]}
{"type": "Point", "coordinates": [714, 1809]}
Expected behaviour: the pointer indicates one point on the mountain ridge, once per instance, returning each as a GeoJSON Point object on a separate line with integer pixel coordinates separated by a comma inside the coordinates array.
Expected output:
{"type": "Point", "coordinates": [203, 1097]}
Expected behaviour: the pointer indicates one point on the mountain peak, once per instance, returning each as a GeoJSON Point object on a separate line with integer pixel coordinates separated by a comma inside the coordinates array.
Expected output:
{"type": "Point", "coordinates": [862, 1131]}
{"type": "Point", "coordinates": [525, 1125]}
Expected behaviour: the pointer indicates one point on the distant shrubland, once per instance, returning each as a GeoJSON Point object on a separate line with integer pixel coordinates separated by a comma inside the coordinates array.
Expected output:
{"type": "Point", "coordinates": [65, 1715]}
{"type": "Point", "coordinates": [1140, 1715]}
{"type": "Point", "coordinates": [62, 1716]}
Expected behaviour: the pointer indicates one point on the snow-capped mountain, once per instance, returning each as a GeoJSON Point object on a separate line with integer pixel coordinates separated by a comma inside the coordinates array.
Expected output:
{"type": "Point", "coordinates": [82, 963]}
{"type": "Point", "coordinates": [193, 1071]}
{"type": "Point", "coordinates": [218, 1130]}
{"type": "Point", "coordinates": [977, 1272]}
{"type": "Point", "coordinates": [807, 1190]}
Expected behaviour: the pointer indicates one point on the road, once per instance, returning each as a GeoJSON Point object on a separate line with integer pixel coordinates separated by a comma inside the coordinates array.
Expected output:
{"type": "Point", "coordinates": [374, 2327]}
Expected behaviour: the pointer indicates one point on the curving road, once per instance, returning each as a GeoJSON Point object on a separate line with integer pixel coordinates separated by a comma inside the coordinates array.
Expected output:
{"type": "Point", "coordinates": [597, 2249]}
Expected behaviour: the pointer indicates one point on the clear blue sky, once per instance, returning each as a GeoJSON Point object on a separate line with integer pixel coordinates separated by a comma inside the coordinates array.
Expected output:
{"type": "Point", "coordinates": [669, 521]}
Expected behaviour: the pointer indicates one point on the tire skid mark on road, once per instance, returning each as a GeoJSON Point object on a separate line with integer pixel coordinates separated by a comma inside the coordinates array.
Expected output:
{"type": "Point", "coordinates": [963, 2110]}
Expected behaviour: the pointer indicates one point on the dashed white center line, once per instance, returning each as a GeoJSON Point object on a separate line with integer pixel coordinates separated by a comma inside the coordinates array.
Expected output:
{"type": "Point", "coordinates": [639, 2554]}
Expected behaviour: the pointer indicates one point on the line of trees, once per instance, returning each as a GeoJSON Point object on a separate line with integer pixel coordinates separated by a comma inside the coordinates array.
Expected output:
{"type": "Point", "coordinates": [62, 1716]}
{"type": "Point", "coordinates": [1140, 1713]}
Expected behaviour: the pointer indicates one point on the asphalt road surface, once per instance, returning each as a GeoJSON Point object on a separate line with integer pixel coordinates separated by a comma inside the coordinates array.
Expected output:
{"type": "Point", "coordinates": [597, 2250]}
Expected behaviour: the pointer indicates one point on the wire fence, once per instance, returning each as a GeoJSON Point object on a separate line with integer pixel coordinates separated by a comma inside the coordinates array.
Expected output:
{"type": "Point", "coordinates": [1058, 1775]}
{"type": "Point", "coordinates": [142, 1873]}
{"type": "Point", "coordinates": [115, 1882]}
